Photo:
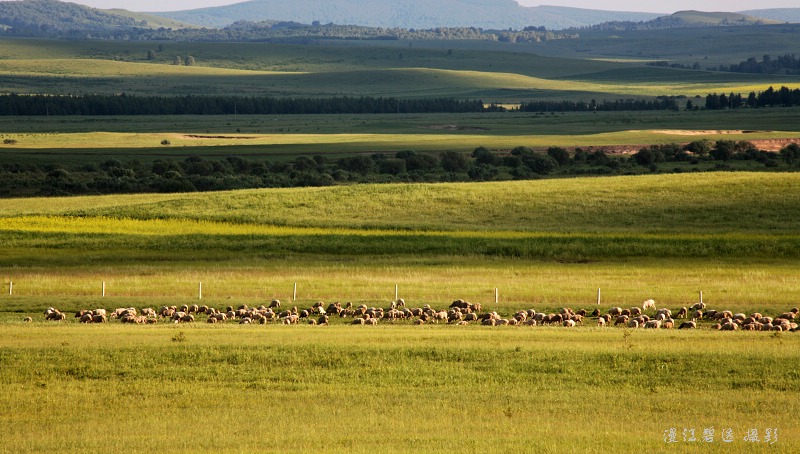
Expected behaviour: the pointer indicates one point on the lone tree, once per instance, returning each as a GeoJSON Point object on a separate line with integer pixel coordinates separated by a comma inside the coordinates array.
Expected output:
{"type": "Point", "coordinates": [190, 61]}
{"type": "Point", "coordinates": [177, 61]}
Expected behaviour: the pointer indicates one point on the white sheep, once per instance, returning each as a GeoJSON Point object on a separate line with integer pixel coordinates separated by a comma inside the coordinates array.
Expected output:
{"type": "Point", "coordinates": [649, 304]}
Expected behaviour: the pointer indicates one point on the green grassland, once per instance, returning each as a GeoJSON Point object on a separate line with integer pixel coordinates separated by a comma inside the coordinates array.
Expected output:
{"type": "Point", "coordinates": [543, 244]}
{"type": "Point", "coordinates": [55, 67]}
{"type": "Point", "coordinates": [546, 242]}
{"type": "Point", "coordinates": [420, 389]}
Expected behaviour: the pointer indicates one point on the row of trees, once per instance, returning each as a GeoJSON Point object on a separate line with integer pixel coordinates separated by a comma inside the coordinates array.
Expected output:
{"type": "Point", "coordinates": [786, 64]}
{"type": "Point", "coordinates": [28, 105]}
{"type": "Point", "coordinates": [197, 173]}
{"type": "Point", "coordinates": [783, 97]}
{"type": "Point", "coordinates": [661, 103]}
{"type": "Point", "coordinates": [220, 105]}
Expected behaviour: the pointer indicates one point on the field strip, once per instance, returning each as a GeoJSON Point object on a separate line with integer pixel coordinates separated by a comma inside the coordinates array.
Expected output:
{"type": "Point", "coordinates": [169, 227]}
{"type": "Point", "coordinates": [94, 68]}
{"type": "Point", "coordinates": [433, 141]}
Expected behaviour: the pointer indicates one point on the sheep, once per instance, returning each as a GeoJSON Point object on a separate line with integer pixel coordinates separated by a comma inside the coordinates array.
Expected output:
{"type": "Point", "coordinates": [615, 311]}
{"type": "Point", "coordinates": [419, 322]}
{"type": "Point", "coordinates": [653, 324]}
{"type": "Point", "coordinates": [275, 303]}
{"type": "Point", "coordinates": [27, 319]}
{"type": "Point", "coordinates": [621, 320]}
{"type": "Point", "coordinates": [322, 320]}
{"type": "Point", "coordinates": [358, 321]}
{"type": "Point", "coordinates": [698, 307]}
{"type": "Point", "coordinates": [99, 318]}
{"type": "Point", "coordinates": [489, 322]}
{"type": "Point", "coordinates": [530, 322]}
{"type": "Point", "coordinates": [634, 324]}
{"type": "Point", "coordinates": [212, 320]}
{"type": "Point", "coordinates": [596, 313]}
{"type": "Point", "coordinates": [601, 322]}
{"type": "Point", "coordinates": [86, 318]}
{"type": "Point", "coordinates": [400, 302]}
{"type": "Point", "coordinates": [683, 312]}
{"type": "Point", "coordinates": [668, 323]}
{"type": "Point", "coordinates": [688, 325]}
{"type": "Point", "coordinates": [649, 304]}
{"type": "Point", "coordinates": [635, 311]}
{"type": "Point", "coordinates": [569, 323]}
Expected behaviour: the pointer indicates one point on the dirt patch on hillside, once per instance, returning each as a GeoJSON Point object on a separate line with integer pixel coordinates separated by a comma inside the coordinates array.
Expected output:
{"type": "Point", "coordinates": [194, 136]}
{"type": "Point", "coordinates": [692, 132]}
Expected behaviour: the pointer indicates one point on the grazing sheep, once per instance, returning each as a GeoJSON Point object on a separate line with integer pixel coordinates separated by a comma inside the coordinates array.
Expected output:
{"type": "Point", "coordinates": [275, 303]}
{"type": "Point", "coordinates": [489, 322]}
{"type": "Point", "coordinates": [653, 324]}
{"type": "Point", "coordinates": [530, 322]}
{"type": "Point", "coordinates": [614, 311]}
{"type": "Point", "coordinates": [400, 302]}
{"type": "Point", "coordinates": [668, 323]}
{"type": "Point", "coordinates": [683, 313]}
{"type": "Point", "coordinates": [698, 307]}
{"type": "Point", "coordinates": [596, 313]}
{"type": "Point", "coordinates": [212, 320]}
{"type": "Point", "coordinates": [27, 319]}
{"type": "Point", "coordinates": [358, 321]}
{"type": "Point", "coordinates": [698, 314]}
{"type": "Point", "coordinates": [322, 320]}
{"type": "Point", "coordinates": [601, 322]}
{"type": "Point", "coordinates": [635, 311]}
{"type": "Point", "coordinates": [86, 318]}
{"type": "Point", "coordinates": [688, 325]}
{"type": "Point", "coordinates": [188, 318]}
{"type": "Point", "coordinates": [569, 323]}
{"type": "Point", "coordinates": [419, 322]}
{"type": "Point", "coordinates": [649, 304]}
{"type": "Point", "coordinates": [621, 320]}
{"type": "Point", "coordinates": [634, 324]}
{"type": "Point", "coordinates": [99, 318]}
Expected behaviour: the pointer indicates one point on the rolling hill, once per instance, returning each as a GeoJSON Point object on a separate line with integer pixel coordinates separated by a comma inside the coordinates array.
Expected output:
{"type": "Point", "coordinates": [493, 14]}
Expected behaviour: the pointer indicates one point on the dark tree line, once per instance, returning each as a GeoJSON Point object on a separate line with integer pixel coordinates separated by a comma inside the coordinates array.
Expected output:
{"type": "Point", "coordinates": [787, 64]}
{"type": "Point", "coordinates": [197, 173]}
{"type": "Point", "coordinates": [220, 105]}
{"type": "Point", "coordinates": [783, 97]}
{"type": "Point", "coordinates": [662, 103]}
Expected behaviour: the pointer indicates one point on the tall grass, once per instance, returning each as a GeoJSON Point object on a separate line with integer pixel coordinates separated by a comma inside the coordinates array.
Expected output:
{"type": "Point", "coordinates": [341, 389]}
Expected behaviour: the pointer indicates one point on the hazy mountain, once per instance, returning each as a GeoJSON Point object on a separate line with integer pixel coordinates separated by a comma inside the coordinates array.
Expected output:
{"type": "Point", "coordinates": [491, 14]}
{"type": "Point", "coordinates": [43, 16]}
{"type": "Point", "coordinates": [782, 15]}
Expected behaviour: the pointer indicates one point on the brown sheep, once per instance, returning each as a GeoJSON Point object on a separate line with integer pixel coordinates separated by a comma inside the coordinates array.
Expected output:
{"type": "Point", "coordinates": [275, 303]}
{"type": "Point", "coordinates": [635, 311]}
{"type": "Point", "coordinates": [614, 311]}
{"type": "Point", "coordinates": [683, 313]}
{"type": "Point", "coordinates": [27, 319]}
{"type": "Point", "coordinates": [99, 318]}
{"type": "Point", "coordinates": [621, 320]}
{"type": "Point", "coordinates": [688, 325]}
{"type": "Point", "coordinates": [322, 320]}
{"type": "Point", "coordinates": [569, 323]}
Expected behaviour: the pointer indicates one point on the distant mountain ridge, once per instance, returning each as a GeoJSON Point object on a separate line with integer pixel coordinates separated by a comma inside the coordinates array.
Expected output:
{"type": "Point", "coordinates": [53, 15]}
{"type": "Point", "coordinates": [488, 14]}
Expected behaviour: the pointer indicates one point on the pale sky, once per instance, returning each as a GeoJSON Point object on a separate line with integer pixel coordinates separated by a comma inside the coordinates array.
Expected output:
{"type": "Point", "coordinates": [611, 5]}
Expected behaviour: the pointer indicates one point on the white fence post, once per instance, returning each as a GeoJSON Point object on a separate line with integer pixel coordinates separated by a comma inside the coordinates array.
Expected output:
{"type": "Point", "coordinates": [496, 296]}
{"type": "Point", "coordinates": [294, 293]}
{"type": "Point", "coordinates": [598, 296]}
{"type": "Point", "coordinates": [103, 292]}
{"type": "Point", "coordinates": [10, 288]}
{"type": "Point", "coordinates": [395, 292]}
{"type": "Point", "coordinates": [200, 291]}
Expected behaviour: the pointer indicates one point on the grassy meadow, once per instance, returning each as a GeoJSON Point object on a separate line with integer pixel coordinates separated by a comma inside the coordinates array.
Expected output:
{"type": "Point", "coordinates": [395, 387]}
{"type": "Point", "coordinates": [268, 69]}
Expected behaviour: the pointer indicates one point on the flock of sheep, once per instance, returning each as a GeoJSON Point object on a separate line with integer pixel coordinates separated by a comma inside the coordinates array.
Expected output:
{"type": "Point", "coordinates": [460, 312]}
